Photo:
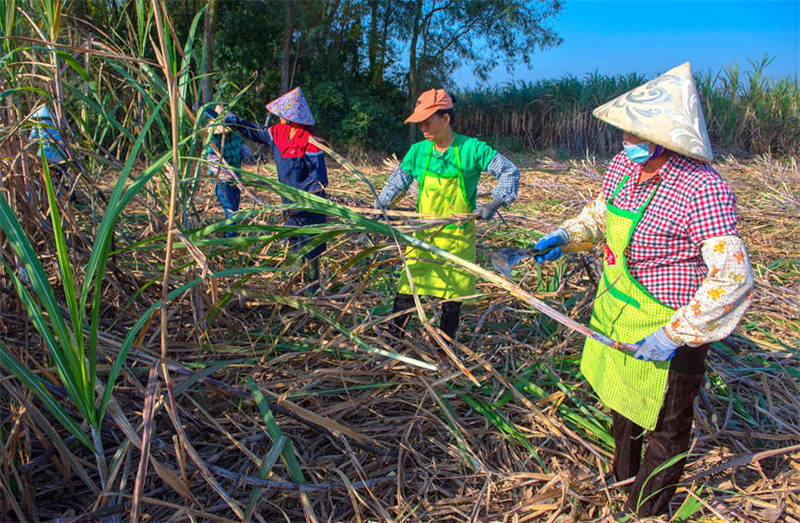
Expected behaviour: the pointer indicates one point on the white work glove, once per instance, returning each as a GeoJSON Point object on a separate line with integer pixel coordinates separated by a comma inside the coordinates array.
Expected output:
{"type": "Point", "coordinates": [656, 347]}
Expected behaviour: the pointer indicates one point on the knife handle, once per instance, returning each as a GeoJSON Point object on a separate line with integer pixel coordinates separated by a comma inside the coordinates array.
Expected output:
{"type": "Point", "coordinates": [577, 247]}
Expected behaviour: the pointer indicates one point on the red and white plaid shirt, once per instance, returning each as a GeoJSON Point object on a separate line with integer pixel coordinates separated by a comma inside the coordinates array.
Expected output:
{"type": "Point", "coordinates": [692, 203]}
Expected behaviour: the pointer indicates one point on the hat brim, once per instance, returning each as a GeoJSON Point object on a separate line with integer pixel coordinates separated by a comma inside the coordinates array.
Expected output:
{"type": "Point", "coordinates": [420, 115]}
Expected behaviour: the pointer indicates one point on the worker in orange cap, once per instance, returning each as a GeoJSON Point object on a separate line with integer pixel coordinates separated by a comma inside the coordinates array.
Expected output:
{"type": "Point", "coordinates": [447, 166]}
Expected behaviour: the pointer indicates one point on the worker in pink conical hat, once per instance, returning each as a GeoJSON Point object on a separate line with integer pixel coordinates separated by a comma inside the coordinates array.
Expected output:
{"type": "Point", "coordinates": [299, 163]}
{"type": "Point", "coordinates": [676, 277]}
{"type": "Point", "coordinates": [292, 107]}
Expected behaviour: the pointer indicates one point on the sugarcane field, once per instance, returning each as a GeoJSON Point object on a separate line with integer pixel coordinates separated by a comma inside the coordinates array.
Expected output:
{"type": "Point", "coordinates": [418, 260]}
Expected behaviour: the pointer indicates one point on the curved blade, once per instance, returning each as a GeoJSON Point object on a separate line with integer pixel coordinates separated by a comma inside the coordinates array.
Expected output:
{"type": "Point", "coordinates": [503, 260]}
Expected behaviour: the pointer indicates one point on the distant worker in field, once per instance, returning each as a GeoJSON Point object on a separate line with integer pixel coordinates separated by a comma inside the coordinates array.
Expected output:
{"type": "Point", "coordinates": [676, 277]}
{"type": "Point", "coordinates": [234, 152]}
{"type": "Point", "coordinates": [447, 167]}
{"type": "Point", "coordinates": [46, 132]}
{"type": "Point", "coordinates": [299, 164]}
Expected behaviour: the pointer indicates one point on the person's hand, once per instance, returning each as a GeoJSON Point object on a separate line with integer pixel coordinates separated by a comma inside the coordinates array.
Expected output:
{"type": "Point", "coordinates": [656, 347]}
{"type": "Point", "coordinates": [208, 112]}
{"type": "Point", "coordinates": [380, 204]}
{"type": "Point", "coordinates": [554, 239]}
{"type": "Point", "coordinates": [487, 210]}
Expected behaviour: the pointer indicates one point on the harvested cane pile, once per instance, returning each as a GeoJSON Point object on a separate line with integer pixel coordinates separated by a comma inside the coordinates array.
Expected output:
{"type": "Point", "coordinates": [273, 409]}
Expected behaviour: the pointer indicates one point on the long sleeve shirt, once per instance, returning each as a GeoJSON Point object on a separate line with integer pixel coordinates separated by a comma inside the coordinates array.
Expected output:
{"type": "Point", "coordinates": [500, 167]}
{"type": "Point", "coordinates": [299, 163]}
{"type": "Point", "coordinates": [686, 249]}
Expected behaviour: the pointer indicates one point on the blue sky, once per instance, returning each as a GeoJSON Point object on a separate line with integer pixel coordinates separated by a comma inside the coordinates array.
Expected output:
{"type": "Point", "coordinates": [652, 36]}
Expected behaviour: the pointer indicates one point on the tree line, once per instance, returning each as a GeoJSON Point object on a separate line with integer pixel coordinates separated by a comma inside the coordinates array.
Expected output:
{"type": "Point", "coordinates": [361, 63]}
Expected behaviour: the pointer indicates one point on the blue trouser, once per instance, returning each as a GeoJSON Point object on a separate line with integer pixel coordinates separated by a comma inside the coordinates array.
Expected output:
{"type": "Point", "coordinates": [228, 195]}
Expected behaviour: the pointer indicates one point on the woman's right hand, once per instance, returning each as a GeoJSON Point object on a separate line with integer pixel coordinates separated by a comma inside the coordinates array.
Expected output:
{"type": "Point", "coordinates": [554, 239]}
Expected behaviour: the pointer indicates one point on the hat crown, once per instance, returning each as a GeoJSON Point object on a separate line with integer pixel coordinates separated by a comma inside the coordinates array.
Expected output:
{"type": "Point", "coordinates": [428, 103]}
{"type": "Point", "coordinates": [43, 113]}
{"type": "Point", "coordinates": [665, 111]}
{"type": "Point", "coordinates": [293, 107]}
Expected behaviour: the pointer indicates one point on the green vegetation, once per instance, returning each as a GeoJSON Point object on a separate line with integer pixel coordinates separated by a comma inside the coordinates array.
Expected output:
{"type": "Point", "coordinates": [152, 368]}
{"type": "Point", "coordinates": [745, 112]}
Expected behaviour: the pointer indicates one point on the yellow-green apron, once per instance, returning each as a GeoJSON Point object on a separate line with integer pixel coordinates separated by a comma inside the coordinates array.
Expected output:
{"type": "Point", "coordinates": [625, 311]}
{"type": "Point", "coordinates": [442, 194]}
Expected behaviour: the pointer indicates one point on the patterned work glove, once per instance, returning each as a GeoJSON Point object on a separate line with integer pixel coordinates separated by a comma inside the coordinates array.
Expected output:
{"type": "Point", "coordinates": [558, 237]}
{"type": "Point", "coordinates": [487, 210]}
{"type": "Point", "coordinates": [656, 347]}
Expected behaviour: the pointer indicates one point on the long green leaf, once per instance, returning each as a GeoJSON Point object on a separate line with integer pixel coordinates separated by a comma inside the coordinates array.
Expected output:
{"type": "Point", "coordinates": [31, 381]}
{"type": "Point", "coordinates": [75, 343]}
{"type": "Point", "coordinates": [289, 457]}
{"type": "Point", "coordinates": [64, 365]}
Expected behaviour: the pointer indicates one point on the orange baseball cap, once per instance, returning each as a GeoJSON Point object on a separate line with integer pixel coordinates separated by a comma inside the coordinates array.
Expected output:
{"type": "Point", "coordinates": [428, 103]}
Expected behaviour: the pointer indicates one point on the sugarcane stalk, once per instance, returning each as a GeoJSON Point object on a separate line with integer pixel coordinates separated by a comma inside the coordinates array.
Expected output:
{"type": "Point", "coordinates": [490, 276]}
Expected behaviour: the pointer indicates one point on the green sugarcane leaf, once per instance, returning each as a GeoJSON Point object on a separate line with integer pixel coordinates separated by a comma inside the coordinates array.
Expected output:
{"type": "Point", "coordinates": [289, 456]}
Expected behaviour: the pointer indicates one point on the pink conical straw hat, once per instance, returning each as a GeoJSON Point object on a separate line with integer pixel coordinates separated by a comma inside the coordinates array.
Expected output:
{"type": "Point", "coordinates": [293, 107]}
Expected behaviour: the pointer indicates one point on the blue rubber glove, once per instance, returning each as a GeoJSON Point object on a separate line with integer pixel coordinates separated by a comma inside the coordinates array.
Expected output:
{"type": "Point", "coordinates": [656, 347]}
{"type": "Point", "coordinates": [558, 237]}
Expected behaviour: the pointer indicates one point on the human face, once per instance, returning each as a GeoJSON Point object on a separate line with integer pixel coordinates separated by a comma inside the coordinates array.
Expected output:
{"type": "Point", "coordinates": [632, 139]}
{"type": "Point", "coordinates": [434, 127]}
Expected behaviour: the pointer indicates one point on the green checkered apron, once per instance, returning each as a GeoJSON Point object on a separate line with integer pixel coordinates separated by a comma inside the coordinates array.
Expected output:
{"type": "Point", "coordinates": [625, 311]}
{"type": "Point", "coordinates": [442, 194]}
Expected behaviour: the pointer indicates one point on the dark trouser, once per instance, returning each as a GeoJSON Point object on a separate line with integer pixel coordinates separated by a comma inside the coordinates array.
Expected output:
{"type": "Point", "coordinates": [298, 218]}
{"type": "Point", "coordinates": [451, 311]}
{"type": "Point", "coordinates": [670, 438]}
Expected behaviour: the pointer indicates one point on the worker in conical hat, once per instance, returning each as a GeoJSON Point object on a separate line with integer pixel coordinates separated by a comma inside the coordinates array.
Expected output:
{"type": "Point", "coordinates": [232, 152]}
{"type": "Point", "coordinates": [676, 277]}
{"type": "Point", "coordinates": [46, 132]}
{"type": "Point", "coordinates": [298, 162]}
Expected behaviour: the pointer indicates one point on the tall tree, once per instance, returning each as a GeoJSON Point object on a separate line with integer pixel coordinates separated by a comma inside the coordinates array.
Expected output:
{"type": "Point", "coordinates": [479, 33]}
{"type": "Point", "coordinates": [286, 54]}
{"type": "Point", "coordinates": [208, 49]}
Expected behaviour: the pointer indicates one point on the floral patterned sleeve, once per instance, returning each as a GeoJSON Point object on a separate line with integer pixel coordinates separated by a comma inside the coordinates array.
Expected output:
{"type": "Point", "coordinates": [590, 224]}
{"type": "Point", "coordinates": [722, 298]}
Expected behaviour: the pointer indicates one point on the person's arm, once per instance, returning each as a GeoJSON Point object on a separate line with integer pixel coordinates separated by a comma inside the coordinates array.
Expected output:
{"type": "Point", "coordinates": [397, 183]}
{"type": "Point", "coordinates": [722, 298]}
{"type": "Point", "coordinates": [590, 224]}
{"type": "Point", "coordinates": [247, 154]}
{"type": "Point", "coordinates": [218, 167]}
{"type": "Point", "coordinates": [253, 131]}
{"type": "Point", "coordinates": [507, 175]}
{"type": "Point", "coordinates": [317, 170]}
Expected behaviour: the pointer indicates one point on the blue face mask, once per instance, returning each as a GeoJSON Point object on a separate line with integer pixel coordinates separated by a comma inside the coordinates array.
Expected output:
{"type": "Point", "coordinates": [638, 152]}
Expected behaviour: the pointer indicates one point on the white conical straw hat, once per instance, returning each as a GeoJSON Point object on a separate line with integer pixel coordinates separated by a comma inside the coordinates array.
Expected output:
{"type": "Point", "coordinates": [665, 111]}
